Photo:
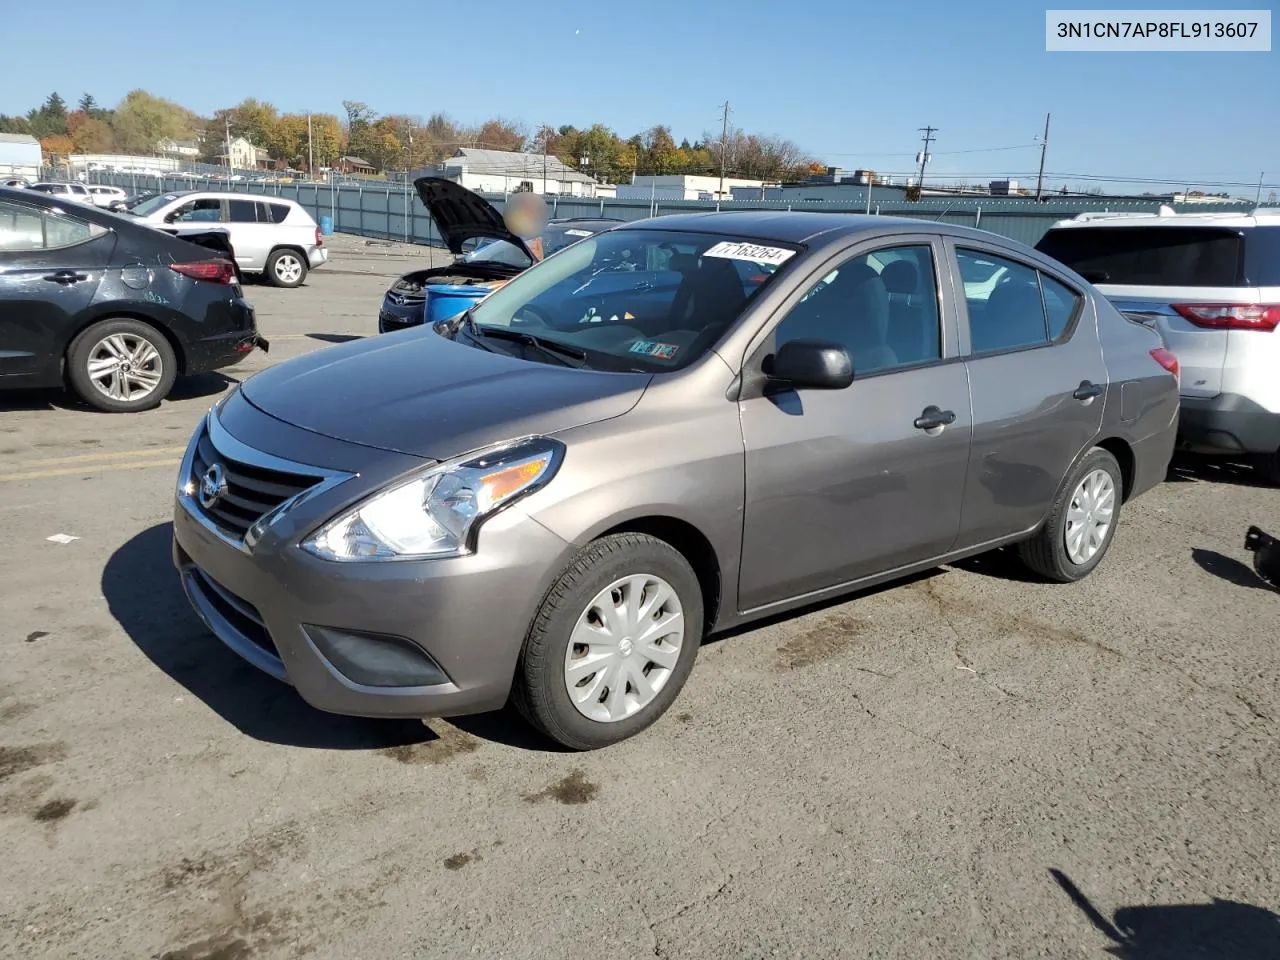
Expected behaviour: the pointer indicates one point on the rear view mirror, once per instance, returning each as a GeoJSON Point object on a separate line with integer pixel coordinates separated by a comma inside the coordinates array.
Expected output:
{"type": "Point", "coordinates": [812, 364]}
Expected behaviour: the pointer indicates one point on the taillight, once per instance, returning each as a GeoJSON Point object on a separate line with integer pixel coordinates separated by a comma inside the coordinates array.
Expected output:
{"type": "Point", "coordinates": [1231, 316]}
{"type": "Point", "coordinates": [319, 238]}
{"type": "Point", "coordinates": [215, 271]}
{"type": "Point", "coordinates": [1167, 360]}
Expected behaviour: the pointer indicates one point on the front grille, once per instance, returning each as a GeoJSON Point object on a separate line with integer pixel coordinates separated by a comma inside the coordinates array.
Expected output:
{"type": "Point", "coordinates": [251, 491]}
{"type": "Point", "coordinates": [389, 321]}
{"type": "Point", "coordinates": [241, 614]}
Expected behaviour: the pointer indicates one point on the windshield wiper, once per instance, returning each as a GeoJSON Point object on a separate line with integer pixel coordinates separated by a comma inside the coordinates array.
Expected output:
{"type": "Point", "coordinates": [560, 352]}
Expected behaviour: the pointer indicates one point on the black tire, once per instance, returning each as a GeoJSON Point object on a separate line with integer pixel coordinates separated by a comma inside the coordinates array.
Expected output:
{"type": "Point", "coordinates": [1268, 464]}
{"type": "Point", "coordinates": [86, 344]}
{"type": "Point", "coordinates": [278, 260]}
{"type": "Point", "coordinates": [1046, 552]}
{"type": "Point", "coordinates": [540, 692]}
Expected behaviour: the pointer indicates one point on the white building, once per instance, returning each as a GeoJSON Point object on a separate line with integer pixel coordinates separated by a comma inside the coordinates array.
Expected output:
{"type": "Point", "coordinates": [185, 149]}
{"type": "Point", "coordinates": [244, 155]}
{"type": "Point", "coordinates": [501, 171]}
{"type": "Point", "coordinates": [121, 163]}
{"type": "Point", "coordinates": [20, 155]}
{"type": "Point", "coordinates": [680, 186]}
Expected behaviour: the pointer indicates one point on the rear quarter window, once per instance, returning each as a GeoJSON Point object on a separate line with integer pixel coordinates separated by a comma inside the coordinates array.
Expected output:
{"type": "Point", "coordinates": [1262, 256]}
{"type": "Point", "coordinates": [279, 212]}
{"type": "Point", "coordinates": [1150, 256]}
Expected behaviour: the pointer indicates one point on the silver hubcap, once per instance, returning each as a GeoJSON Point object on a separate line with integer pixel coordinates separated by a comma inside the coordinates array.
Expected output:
{"type": "Point", "coordinates": [289, 269]}
{"type": "Point", "coordinates": [624, 648]}
{"type": "Point", "coordinates": [1089, 516]}
{"type": "Point", "coordinates": [124, 366]}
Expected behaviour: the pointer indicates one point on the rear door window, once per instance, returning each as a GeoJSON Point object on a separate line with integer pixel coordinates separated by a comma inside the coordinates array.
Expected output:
{"type": "Point", "coordinates": [1013, 305]}
{"type": "Point", "coordinates": [243, 211]}
{"type": "Point", "coordinates": [1150, 256]}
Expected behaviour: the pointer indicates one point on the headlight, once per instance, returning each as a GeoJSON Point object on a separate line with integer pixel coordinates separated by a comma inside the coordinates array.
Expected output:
{"type": "Point", "coordinates": [435, 513]}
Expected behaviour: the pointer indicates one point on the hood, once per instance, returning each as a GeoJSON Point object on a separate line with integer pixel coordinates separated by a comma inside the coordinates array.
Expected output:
{"type": "Point", "coordinates": [418, 393]}
{"type": "Point", "coordinates": [462, 215]}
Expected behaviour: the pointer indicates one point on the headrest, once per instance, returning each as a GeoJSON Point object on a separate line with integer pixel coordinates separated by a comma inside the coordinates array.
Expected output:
{"type": "Point", "coordinates": [901, 276]}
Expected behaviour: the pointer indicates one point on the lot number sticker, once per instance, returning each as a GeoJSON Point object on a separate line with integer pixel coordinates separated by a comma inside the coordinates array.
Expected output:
{"type": "Point", "coordinates": [750, 251]}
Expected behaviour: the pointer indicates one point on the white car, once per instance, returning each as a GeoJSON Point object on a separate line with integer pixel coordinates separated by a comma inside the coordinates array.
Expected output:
{"type": "Point", "coordinates": [1210, 283]}
{"type": "Point", "coordinates": [108, 197]}
{"type": "Point", "coordinates": [273, 237]}
{"type": "Point", "coordinates": [65, 190]}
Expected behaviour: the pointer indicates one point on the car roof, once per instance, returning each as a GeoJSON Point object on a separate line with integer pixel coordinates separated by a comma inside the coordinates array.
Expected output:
{"type": "Point", "coordinates": [802, 227]}
{"type": "Point", "coordinates": [1260, 217]}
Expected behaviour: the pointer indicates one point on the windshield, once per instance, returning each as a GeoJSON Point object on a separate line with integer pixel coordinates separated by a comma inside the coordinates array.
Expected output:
{"type": "Point", "coordinates": [554, 238]}
{"type": "Point", "coordinates": [498, 251]}
{"type": "Point", "coordinates": [151, 204]}
{"type": "Point", "coordinates": [644, 300]}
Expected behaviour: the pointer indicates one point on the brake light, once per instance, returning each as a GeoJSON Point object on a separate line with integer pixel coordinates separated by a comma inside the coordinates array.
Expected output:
{"type": "Point", "coordinates": [319, 238]}
{"type": "Point", "coordinates": [1167, 360]}
{"type": "Point", "coordinates": [1231, 316]}
{"type": "Point", "coordinates": [215, 271]}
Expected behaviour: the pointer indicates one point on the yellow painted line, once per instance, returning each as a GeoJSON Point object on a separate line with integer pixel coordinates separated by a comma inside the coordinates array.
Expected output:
{"type": "Point", "coordinates": [113, 455]}
{"type": "Point", "coordinates": [87, 468]}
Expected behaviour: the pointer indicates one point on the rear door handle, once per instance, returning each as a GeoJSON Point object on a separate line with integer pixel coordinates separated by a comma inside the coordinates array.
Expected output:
{"type": "Point", "coordinates": [931, 418]}
{"type": "Point", "coordinates": [66, 277]}
{"type": "Point", "coordinates": [1087, 391]}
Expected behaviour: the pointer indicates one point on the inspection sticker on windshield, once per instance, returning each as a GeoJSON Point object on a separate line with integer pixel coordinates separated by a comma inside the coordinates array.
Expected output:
{"type": "Point", "coordinates": [652, 348]}
{"type": "Point", "coordinates": [577, 233]}
{"type": "Point", "coordinates": [750, 251]}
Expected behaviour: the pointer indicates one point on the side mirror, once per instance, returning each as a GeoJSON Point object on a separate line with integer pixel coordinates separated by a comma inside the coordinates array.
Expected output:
{"type": "Point", "coordinates": [812, 364]}
{"type": "Point", "coordinates": [172, 217]}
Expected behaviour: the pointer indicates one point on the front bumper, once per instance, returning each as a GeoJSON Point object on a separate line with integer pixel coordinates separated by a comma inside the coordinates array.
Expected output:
{"type": "Point", "coordinates": [265, 597]}
{"type": "Point", "coordinates": [398, 314]}
{"type": "Point", "coordinates": [1227, 423]}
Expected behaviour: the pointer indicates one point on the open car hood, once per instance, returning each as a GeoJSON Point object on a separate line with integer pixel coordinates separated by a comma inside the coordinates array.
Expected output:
{"type": "Point", "coordinates": [462, 215]}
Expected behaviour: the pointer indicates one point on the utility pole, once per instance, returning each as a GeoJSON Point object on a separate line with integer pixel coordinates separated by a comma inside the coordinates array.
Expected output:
{"type": "Point", "coordinates": [230, 169]}
{"type": "Point", "coordinates": [311, 156]}
{"type": "Point", "coordinates": [724, 143]}
{"type": "Point", "coordinates": [1044, 145]}
{"type": "Point", "coordinates": [545, 130]}
{"type": "Point", "coordinates": [1257, 198]}
{"type": "Point", "coordinates": [924, 154]}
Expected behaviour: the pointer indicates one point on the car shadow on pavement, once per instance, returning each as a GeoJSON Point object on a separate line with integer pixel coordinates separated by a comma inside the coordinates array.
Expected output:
{"type": "Point", "coordinates": [1188, 468]}
{"type": "Point", "coordinates": [145, 597]}
{"type": "Point", "coordinates": [1231, 570]}
{"type": "Point", "coordinates": [1220, 930]}
{"type": "Point", "coordinates": [185, 388]}
{"type": "Point", "coordinates": [1001, 564]}
{"type": "Point", "coordinates": [336, 337]}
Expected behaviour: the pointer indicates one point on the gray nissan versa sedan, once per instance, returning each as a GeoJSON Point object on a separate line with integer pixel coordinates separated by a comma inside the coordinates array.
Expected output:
{"type": "Point", "coordinates": [553, 496]}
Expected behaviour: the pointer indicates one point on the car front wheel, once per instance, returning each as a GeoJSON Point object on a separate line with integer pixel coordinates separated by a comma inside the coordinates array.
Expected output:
{"type": "Point", "coordinates": [286, 268]}
{"type": "Point", "coordinates": [1081, 523]}
{"type": "Point", "coordinates": [612, 644]}
{"type": "Point", "coordinates": [121, 365]}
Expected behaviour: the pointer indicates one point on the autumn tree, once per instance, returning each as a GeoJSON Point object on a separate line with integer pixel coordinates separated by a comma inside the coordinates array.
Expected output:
{"type": "Point", "coordinates": [500, 134]}
{"type": "Point", "coordinates": [141, 121]}
{"type": "Point", "coordinates": [89, 134]}
{"type": "Point", "coordinates": [57, 145]}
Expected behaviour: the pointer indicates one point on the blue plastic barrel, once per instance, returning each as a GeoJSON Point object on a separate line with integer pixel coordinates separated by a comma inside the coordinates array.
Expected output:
{"type": "Point", "coordinates": [326, 225]}
{"type": "Point", "coordinates": [445, 300]}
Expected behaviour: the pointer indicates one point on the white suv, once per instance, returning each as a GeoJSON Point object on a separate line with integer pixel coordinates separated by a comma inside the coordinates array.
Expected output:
{"type": "Point", "coordinates": [273, 237]}
{"type": "Point", "coordinates": [1210, 283]}
{"type": "Point", "coordinates": [64, 190]}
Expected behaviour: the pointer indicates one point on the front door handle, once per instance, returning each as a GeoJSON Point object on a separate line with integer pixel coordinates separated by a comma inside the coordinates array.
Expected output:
{"type": "Point", "coordinates": [66, 276]}
{"type": "Point", "coordinates": [931, 418]}
{"type": "Point", "coordinates": [1087, 391]}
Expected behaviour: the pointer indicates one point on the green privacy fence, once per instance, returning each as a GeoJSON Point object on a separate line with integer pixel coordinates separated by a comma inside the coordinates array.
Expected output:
{"type": "Point", "coordinates": [392, 211]}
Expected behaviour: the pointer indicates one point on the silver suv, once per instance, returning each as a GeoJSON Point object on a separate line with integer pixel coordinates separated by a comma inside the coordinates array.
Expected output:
{"type": "Point", "coordinates": [272, 237]}
{"type": "Point", "coordinates": [1210, 283]}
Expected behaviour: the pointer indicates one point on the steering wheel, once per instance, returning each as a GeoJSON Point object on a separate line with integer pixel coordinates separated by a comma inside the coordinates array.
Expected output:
{"type": "Point", "coordinates": [528, 316]}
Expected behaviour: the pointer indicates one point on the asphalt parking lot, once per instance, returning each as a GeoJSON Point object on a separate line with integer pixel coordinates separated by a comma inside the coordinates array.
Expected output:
{"type": "Point", "coordinates": [965, 765]}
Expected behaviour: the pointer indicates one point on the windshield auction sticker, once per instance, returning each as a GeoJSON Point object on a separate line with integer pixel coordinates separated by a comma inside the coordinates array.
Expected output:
{"type": "Point", "coordinates": [1153, 31]}
{"type": "Point", "coordinates": [750, 251]}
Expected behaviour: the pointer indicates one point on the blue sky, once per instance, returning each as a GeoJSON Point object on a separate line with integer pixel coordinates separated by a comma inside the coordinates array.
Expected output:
{"type": "Point", "coordinates": [849, 82]}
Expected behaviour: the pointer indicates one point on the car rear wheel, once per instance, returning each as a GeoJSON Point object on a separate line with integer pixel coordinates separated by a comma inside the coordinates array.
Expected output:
{"type": "Point", "coordinates": [286, 268]}
{"type": "Point", "coordinates": [612, 644]}
{"type": "Point", "coordinates": [121, 365]}
{"type": "Point", "coordinates": [1082, 522]}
